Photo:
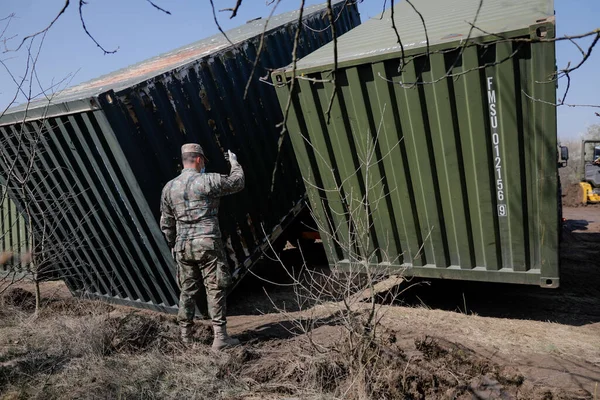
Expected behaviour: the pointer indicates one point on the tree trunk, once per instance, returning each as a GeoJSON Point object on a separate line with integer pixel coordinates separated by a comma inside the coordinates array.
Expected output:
{"type": "Point", "coordinates": [38, 296]}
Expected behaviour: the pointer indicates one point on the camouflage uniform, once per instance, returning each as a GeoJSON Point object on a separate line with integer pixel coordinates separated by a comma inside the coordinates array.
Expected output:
{"type": "Point", "coordinates": [189, 221]}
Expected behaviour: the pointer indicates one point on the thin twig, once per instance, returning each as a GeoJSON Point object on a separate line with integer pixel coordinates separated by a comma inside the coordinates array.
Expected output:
{"type": "Point", "coordinates": [61, 12]}
{"type": "Point", "coordinates": [9, 18]}
{"type": "Point", "coordinates": [585, 57]}
{"type": "Point", "coordinates": [308, 27]}
{"type": "Point", "coordinates": [425, 25]}
{"type": "Point", "coordinates": [158, 8]}
{"type": "Point", "coordinates": [402, 63]}
{"type": "Point", "coordinates": [260, 49]}
{"type": "Point", "coordinates": [567, 89]}
{"type": "Point", "coordinates": [559, 104]}
{"type": "Point", "coordinates": [449, 75]}
{"type": "Point", "coordinates": [233, 10]}
{"type": "Point", "coordinates": [335, 59]}
{"type": "Point", "coordinates": [504, 39]}
{"type": "Point", "coordinates": [578, 46]}
{"type": "Point", "coordinates": [242, 54]}
{"type": "Point", "coordinates": [214, 12]}
{"type": "Point", "coordinates": [286, 111]}
{"type": "Point", "coordinates": [81, 4]}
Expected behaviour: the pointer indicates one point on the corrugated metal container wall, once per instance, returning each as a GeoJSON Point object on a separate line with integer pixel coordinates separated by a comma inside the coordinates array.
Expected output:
{"type": "Point", "coordinates": [111, 144]}
{"type": "Point", "coordinates": [204, 102]}
{"type": "Point", "coordinates": [13, 231]}
{"type": "Point", "coordinates": [462, 181]}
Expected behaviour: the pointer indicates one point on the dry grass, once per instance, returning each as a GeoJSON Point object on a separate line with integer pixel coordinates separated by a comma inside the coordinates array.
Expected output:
{"type": "Point", "coordinates": [86, 350]}
{"type": "Point", "coordinates": [80, 349]}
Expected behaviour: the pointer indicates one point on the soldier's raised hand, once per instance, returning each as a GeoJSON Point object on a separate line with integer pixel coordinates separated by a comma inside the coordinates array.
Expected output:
{"type": "Point", "coordinates": [231, 156]}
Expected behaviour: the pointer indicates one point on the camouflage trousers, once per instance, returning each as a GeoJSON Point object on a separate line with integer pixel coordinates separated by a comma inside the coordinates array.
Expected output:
{"type": "Point", "coordinates": [198, 272]}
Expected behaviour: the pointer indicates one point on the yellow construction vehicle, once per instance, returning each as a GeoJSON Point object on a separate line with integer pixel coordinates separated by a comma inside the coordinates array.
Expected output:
{"type": "Point", "coordinates": [590, 167]}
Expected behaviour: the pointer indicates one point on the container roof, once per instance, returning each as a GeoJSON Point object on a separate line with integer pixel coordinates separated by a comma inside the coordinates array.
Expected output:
{"type": "Point", "coordinates": [160, 64]}
{"type": "Point", "coordinates": [446, 22]}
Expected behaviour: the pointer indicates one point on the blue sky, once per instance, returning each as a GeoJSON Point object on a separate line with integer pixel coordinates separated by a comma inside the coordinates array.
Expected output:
{"type": "Point", "coordinates": [139, 31]}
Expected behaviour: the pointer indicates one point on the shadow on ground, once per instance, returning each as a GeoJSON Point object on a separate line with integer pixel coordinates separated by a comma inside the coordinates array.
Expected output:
{"type": "Point", "coordinates": [269, 286]}
{"type": "Point", "coordinates": [576, 302]}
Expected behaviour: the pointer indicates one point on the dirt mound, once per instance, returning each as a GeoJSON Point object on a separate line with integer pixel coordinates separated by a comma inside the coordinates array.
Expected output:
{"type": "Point", "coordinates": [74, 307]}
{"type": "Point", "coordinates": [571, 196]}
{"type": "Point", "coordinates": [131, 334]}
{"type": "Point", "coordinates": [449, 370]}
{"type": "Point", "coordinates": [440, 369]}
{"type": "Point", "coordinates": [21, 298]}
{"type": "Point", "coordinates": [433, 369]}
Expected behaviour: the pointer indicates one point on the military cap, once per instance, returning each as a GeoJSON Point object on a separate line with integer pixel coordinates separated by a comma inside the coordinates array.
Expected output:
{"type": "Point", "coordinates": [192, 148]}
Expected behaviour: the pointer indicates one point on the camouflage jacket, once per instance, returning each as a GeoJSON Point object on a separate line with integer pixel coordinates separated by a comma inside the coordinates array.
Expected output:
{"type": "Point", "coordinates": [190, 204]}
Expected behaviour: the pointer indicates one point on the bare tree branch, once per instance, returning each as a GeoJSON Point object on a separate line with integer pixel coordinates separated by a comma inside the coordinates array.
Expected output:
{"type": "Point", "coordinates": [308, 27]}
{"type": "Point", "coordinates": [218, 24]}
{"type": "Point", "coordinates": [292, 86]}
{"type": "Point", "coordinates": [448, 74]}
{"type": "Point", "coordinates": [233, 10]}
{"type": "Point", "coordinates": [158, 8]}
{"type": "Point", "coordinates": [335, 59]}
{"type": "Point", "coordinates": [567, 89]}
{"type": "Point", "coordinates": [402, 63]}
{"type": "Point", "coordinates": [425, 25]}
{"type": "Point", "coordinates": [559, 104]}
{"type": "Point", "coordinates": [578, 46]}
{"type": "Point", "coordinates": [567, 70]}
{"type": "Point", "coordinates": [9, 18]}
{"type": "Point", "coordinates": [503, 39]}
{"type": "Point", "coordinates": [43, 31]}
{"type": "Point", "coordinates": [260, 49]}
{"type": "Point", "coordinates": [81, 4]}
{"type": "Point", "coordinates": [256, 61]}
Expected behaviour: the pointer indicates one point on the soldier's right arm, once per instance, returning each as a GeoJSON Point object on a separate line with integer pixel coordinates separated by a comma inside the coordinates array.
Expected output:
{"type": "Point", "coordinates": [235, 181]}
{"type": "Point", "coordinates": [218, 185]}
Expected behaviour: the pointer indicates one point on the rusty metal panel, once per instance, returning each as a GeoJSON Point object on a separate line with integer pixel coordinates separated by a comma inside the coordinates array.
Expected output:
{"type": "Point", "coordinates": [106, 157]}
{"type": "Point", "coordinates": [279, 39]}
{"type": "Point", "coordinates": [449, 156]}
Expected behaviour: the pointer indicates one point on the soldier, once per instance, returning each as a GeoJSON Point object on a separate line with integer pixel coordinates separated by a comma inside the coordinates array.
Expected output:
{"type": "Point", "coordinates": [189, 221]}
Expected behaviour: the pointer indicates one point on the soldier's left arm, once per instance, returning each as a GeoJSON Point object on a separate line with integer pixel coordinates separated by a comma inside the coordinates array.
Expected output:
{"type": "Point", "coordinates": [167, 219]}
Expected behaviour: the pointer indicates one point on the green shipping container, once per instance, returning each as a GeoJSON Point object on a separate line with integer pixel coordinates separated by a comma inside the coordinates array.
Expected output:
{"type": "Point", "coordinates": [438, 156]}
{"type": "Point", "coordinates": [13, 233]}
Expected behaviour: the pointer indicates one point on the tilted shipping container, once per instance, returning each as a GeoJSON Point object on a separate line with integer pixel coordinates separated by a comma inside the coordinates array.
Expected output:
{"type": "Point", "coordinates": [110, 145]}
{"type": "Point", "coordinates": [457, 106]}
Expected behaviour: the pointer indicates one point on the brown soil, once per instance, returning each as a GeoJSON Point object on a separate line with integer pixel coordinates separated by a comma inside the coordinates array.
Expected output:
{"type": "Point", "coordinates": [550, 337]}
{"type": "Point", "coordinates": [446, 340]}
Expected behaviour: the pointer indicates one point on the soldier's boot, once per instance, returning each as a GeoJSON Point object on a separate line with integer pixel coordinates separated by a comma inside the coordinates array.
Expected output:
{"type": "Point", "coordinates": [187, 334]}
{"type": "Point", "coordinates": [222, 340]}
